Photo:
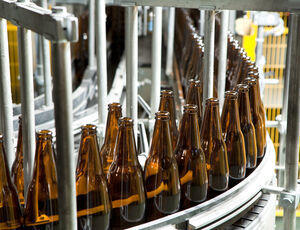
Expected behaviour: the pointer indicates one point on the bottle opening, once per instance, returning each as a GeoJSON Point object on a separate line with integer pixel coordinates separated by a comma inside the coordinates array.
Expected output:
{"type": "Point", "coordinates": [212, 101]}
{"type": "Point", "coordinates": [242, 88]}
{"type": "Point", "coordinates": [125, 121]}
{"type": "Point", "coordinates": [1, 137]}
{"type": "Point", "coordinates": [190, 108]}
{"type": "Point", "coordinates": [166, 93]}
{"type": "Point", "coordinates": [114, 106]}
{"type": "Point", "coordinates": [162, 115]}
{"type": "Point", "coordinates": [194, 82]}
{"type": "Point", "coordinates": [44, 134]}
{"type": "Point", "coordinates": [250, 81]}
{"type": "Point", "coordinates": [89, 128]}
{"type": "Point", "coordinates": [231, 95]}
{"type": "Point", "coordinates": [20, 119]}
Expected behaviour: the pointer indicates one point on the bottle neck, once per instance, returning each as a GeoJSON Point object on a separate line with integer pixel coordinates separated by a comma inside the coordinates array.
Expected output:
{"type": "Point", "coordinates": [19, 155]}
{"type": "Point", "coordinates": [244, 107]}
{"type": "Point", "coordinates": [161, 142]}
{"type": "Point", "coordinates": [125, 150]}
{"type": "Point", "coordinates": [4, 172]}
{"type": "Point", "coordinates": [194, 96]}
{"type": "Point", "coordinates": [230, 116]}
{"type": "Point", "coordinates": [254, 100]}
{"type": "Point", "coordinates": [112, 127]}
{"type": "Point", "coordinates": [167, 104]}
{"type": "Point", "coordinates": [189, 135]}
{"type": "Point", "coordinates": [211, 122]}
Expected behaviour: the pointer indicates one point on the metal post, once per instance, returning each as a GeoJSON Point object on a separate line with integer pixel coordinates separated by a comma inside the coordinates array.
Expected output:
{"type": "Point", "coordinates": [282, 129]}
{"type": "Point", "coordinates": [27, 101]}
{"type": "Point", "coordinates": [145, 20]}
{"type": "Point", "coordinates": [293, 123]}
{"type": "Point", "coordinates": [209, 43]}
{"type": "Point", "coordinates": [259, 46]}
{"type": "Point", "coordinates": [131, 49]}
{"type": "Point", "coordinates": [156, 60]}
{"type": "Point", "coordinates": [202, 22]}
{"type": "Point", "coordinates": [46, 64]}
{"type": "Point", "coordinates": [91, 35]}
{"type": "Point", "coordinates": [231, 21]}
{"type": "Point", "coordinates": [5, 95]}
{"type": "Point", "coordinates": [101, 59]}
{"type": "Point", "coordinates": [170, 44]}
{"type": "Point", "coordinates": [222, 56]}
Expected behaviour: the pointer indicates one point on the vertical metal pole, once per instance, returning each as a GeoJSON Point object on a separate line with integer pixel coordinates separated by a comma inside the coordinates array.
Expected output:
{"type": "Point", "coordinates": [202, 22]}
{"type": "Point", "coordinates": [5, 94]}
{"type": "Point", "coordinates": [156, 60]}
{"type": "Point", "coordinates": [91, 35]}
{"type": "Point", "coordinates": [259, 46]}
{"type": "Point", "coordinates": [209, 43]}
{"type": "Point", "coordinates": [27, 101]}
{"type": "Point", "coordinates": [145, 20]}
{"type": "Point", "coordinates": [293, 123]}
{"type": "Point", "coordinates": [101, 59]}
{"type": "Point", "coordinates": [282, 130]}
{"type": "Point", "coordinates": [170, 43]}
{"type": "Point", "coordinates": [231, 21]}
{"type": "Point", "coordinates": [46, 64]}
{"type": "Point", "coordinates": [222, 56]}
{"type": "Point", "coordinates": [131, 49]}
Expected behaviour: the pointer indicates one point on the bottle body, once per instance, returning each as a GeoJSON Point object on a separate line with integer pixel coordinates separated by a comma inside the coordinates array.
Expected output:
{"type": "Point", "coordinates": [161, 172]}
{"type": "Point", "coordinates": [214, 147]}
{"type": "Point", "coordinates": [233, 136]}
{"type": "Point", "coordinates": [93, 204]}
{"type": "Point", "coordinates": [125, 180]}
{"type": "Point", "coordinates": [191, 160]}
{"type": "Point", "coordinates": [10, 211]}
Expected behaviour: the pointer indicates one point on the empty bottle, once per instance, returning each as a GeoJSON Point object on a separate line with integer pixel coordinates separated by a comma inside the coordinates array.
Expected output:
{"type": "Point", "coordinates": [10, 211]}
{"type": "Point", "coordinates": [233, 136]}
{"type": "Point", "coordinates": [17, 173]}
{"type": "Point", "coordinates": [161, 171]}
{"type": "Point", "coordinates": [125, 180]}
{"type": "Point", "coordinates": [191, 160]}
{"type": "Point", "coordinates": [41, 210]}
{"type": "Point", "coordinates": [214, 147]}
{"type": "Point", "coordinates": [167, 103]}
{"type": "Point", "coordinates": [255, 116]}
{"type": "Point", "coordinates": [107, 149]}
{"type": "Point", "coordinates": [247, 126]}
{"type": "Point", "coordinates": [195, 97]}
{"type": "Point", "coordinates": [93, 204]}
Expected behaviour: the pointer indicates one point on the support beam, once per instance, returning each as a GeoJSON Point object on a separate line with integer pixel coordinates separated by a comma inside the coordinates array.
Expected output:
{"type": "Point", "coordinates": [170, 43]}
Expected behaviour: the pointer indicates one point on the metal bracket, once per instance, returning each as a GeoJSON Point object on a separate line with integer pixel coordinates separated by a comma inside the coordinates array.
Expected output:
{"type": "Point", "coordinates": [56, 25]}
{"type": "Point", "coordinates": [286, 198]}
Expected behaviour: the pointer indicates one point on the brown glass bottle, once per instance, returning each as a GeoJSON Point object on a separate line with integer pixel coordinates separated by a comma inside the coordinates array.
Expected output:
{"type": "Point", "coordinates": [191, 160]}
{"type": "Point", "coordinates": [10, 211]}
{"type": "Point", "coordinates": [161, 176]}
{"type": "Point", "coordinates": [247, 126]}
{"type": "Point", "coordinates": [233, 136]}
{"type": "Point", "coordinates": [214, 147]}
{"type": "Point", "coordinates": [167, 103]}
{"type": "Point", "coordinates": [106, 152]}
{"type": "Point", "coordinates": [255, 116]}
{"type": "Point", "coordinates": [17, 173]}
{"type": "Point", "coordinates": [93, 204]}
{"type": "Point", "coordinates": [125, 180]}
{"type": "Point", "coordinates": [41, 210]}
{"type": "Point", "coordinates": [194, 97]}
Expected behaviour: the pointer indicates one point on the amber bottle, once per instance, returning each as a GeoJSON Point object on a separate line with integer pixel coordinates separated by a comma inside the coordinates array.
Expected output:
{"type": "Point", "coordinates": [10, 211]}
{"type": "Point", "coordinates": [194, 97]}
{"type": "Point", "coordinates": [106, 152]}
{"type": "Point", "coordinates": [247, 126]}
{"type": "Point", "coordinates": [214, 147]}
{"type": "Point", "coordinates": [167, 103]}
{"type": "Point", "coordinates": [41, 210]}
{"type": "Point", "coordinates": [93, 204]}
{"type": "Point", "coordinates": [233, 136]}
{"type": "Point", "coordinates": [17, 173]}
{"type": "Point", "coordinates": [255, 116]}
{"type": "Point", "coordinates": [125, 180]}
{"type": "Point", "coordinates": [191, 160]}
{"type": "Point", "coordinates": [161, 172]}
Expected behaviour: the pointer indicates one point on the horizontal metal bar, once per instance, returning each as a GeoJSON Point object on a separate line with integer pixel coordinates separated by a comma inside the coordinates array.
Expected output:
{"type": "Point", "coordinates": [257, 5]}
{"type": "Point", "coordinates": [60, 26]}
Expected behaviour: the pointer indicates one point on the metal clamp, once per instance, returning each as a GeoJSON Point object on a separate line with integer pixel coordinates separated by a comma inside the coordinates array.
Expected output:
{"type": "Point", "coordinates": [56, 25]}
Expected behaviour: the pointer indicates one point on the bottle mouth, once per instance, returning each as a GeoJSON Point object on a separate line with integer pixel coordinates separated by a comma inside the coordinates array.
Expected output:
{"type": "Point", "coordinates": [250, 81]}
{"type": "Point", "coordinates": [194, 82]}
{"type": "Point", "coordinates": [1, 137]}
{"type": "Point", "coordinates": [114, 106]}
{"type": "Point", "coordinates": [89, 128]}
{"type": "Point", "coordinates": [232, 95]}
{"type": "Point", "coordinates": [44, 134]}
{"type": "Point", "coordinates": [255, 69]}
{"type": "Point", "coordinates": [212, 101]}
{"type": "Point", "coordinates": [20, 119]}
{"type": "Point", "coordinates": [242, 88]}
{"type": "Point", "coordinates": [166, 93]}
{"type": "Point", "coordinates": [125, 121]}
{"type": "Point", "coordinates": [190, 108]}
{"type": "Point", "coordinates": [162, 115]}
